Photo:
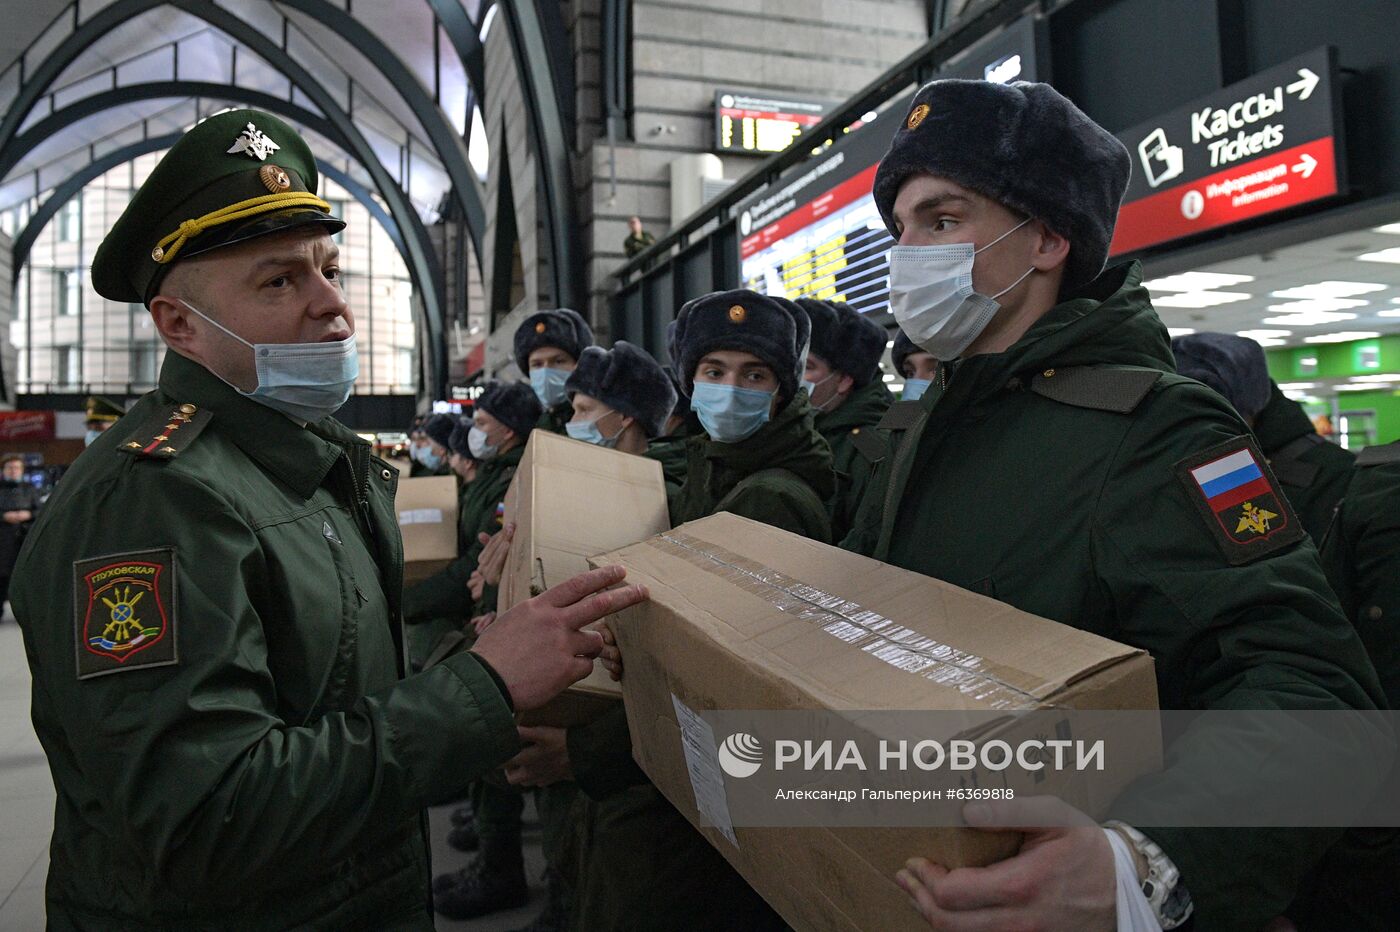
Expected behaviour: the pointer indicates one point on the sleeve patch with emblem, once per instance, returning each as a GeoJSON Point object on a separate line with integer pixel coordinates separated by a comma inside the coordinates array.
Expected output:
{"type": "Point", "coordinates": [123, 609]}
{"type": "Point", "coordinates": [1238, 497]}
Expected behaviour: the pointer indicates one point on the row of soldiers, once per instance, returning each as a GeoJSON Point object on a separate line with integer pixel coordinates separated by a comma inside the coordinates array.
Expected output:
{"type": "Point", "coordinates": [775, 419]}
{"type": "Point", "coordinates": [211, 602]}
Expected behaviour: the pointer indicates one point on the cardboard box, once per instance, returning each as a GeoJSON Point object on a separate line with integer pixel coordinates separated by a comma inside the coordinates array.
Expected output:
{"type": "Point", "coordinates": [570, 500]}
{"type": "Point", "coordinates": [741, 617]}
{"type": "Point", "coordinates": [427, 510]}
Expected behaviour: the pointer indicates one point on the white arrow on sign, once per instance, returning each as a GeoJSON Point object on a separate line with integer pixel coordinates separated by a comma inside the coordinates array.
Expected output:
{"type": "Point", "coordinates": [1306, 165]}
{"type": "Point", "coordinates": [1303, 87]}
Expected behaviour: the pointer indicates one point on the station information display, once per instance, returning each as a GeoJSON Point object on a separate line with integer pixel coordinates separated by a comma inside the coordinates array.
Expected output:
{"type": "Point", "coordinates": [815, 233]}
{"type": "Point", "coordinates": [763, 124]}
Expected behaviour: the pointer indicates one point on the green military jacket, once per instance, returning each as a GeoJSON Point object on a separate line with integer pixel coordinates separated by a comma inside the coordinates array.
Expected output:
{"type": "Point", "coordinates": [1057, 477]}
{"type": "Point", "coordinates": [630, 842]}
{"type": "Point", "coordinates": [210, 607]}
{"type": "Point", "coordinates": [446, 594]}
{"type": "Point", "coordinates": [553, 419]}
{"type": "Point", "coordinates": [1361, 553]}
{"type": "Point", "coordinates": [1314, 474]}
{"type": "Point", "coordinates": [856, 448]}
{"type": "Point", "coordinates": [671, 454]}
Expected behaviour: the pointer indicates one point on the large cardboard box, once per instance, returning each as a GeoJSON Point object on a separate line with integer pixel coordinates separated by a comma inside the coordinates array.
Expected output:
{"type": "Point", "coordinates": [427, 510]}
{"type": "Point", "coordinates": [743, 616]}
{"type": "Point", "coordinates": [570, 500]}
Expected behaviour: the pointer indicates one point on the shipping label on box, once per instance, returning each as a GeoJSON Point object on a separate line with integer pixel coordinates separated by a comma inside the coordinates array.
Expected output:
{"type": "Point", "coordinates": [427, 512]}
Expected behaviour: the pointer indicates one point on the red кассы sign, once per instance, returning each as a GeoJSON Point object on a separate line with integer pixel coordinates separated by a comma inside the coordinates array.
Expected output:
{"type": "Point", "coordinates": [1263, 145]}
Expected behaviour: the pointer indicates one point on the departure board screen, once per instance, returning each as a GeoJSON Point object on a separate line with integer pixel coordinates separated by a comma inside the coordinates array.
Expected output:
{"type": "Point", "coordinates": [816, 232]}
{"type": "Point", "coordinates": [834, 247]}
{"type": "Point", "coordinates": [762, 124]}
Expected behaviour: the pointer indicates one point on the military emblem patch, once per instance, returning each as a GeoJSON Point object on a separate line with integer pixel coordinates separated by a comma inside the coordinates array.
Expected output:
{"type": "Point", "coordinates": [1235, 493]}
{"type": "Point", "coordinates": [123, 609]}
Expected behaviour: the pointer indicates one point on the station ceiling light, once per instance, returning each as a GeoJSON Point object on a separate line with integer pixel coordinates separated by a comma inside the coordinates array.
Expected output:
{"type": "Point", "coordinates": [1200, 299]}
{"type": "Point", "coordinates": [1344, 336]}
{"type": "Point", "coordinates": [1329, 289]}
{"type": "Point", "coordinates": [1196, 281]}
{"type": "Point", "coordinates": [1311, 319]}
{"type": "Point", "coordinates": [1391, 255]}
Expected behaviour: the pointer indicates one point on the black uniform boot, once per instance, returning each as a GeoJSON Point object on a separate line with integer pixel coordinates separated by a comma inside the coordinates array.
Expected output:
{"type": "Point", "coordinates": [495, 881]}
{"type": "Point", "coordinates": [555, 915]}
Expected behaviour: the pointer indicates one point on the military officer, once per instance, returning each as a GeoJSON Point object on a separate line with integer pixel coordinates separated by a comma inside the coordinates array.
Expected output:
{"type": "Point", "coordinates": [210, 601]}
{"type": "Point", "coordinates": [1059, 464]}
{"type": "Point", "coordinates": [547, 347]}
{"type": "Point", "coordinates": [842, 381]}
{"type": "Point", "coordinates": [102, 413]}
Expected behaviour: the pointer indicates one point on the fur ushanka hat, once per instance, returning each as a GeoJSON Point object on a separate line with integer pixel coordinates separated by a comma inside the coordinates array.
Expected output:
{"type": "Point", "coordinates": [1025, 146]}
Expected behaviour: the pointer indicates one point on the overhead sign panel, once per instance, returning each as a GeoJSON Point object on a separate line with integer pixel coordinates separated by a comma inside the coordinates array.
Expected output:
{"type": "Point", "coordinates": [761, 124]}
{"type": "Point", "coordinates": [1265, 144]}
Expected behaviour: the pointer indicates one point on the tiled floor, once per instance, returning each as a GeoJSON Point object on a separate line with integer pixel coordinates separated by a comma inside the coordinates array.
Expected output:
{"type": "Point", "coordinates": [26, 814]}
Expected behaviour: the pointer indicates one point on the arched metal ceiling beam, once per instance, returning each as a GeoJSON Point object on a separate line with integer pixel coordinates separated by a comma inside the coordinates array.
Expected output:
{"type": "Point", "coordinates": [132, 93]}
{"type": "Point", "coordinates": [532, 53]}
{"type": "Point", "coordinates": [461, 32]}
{"type": "Point", "coordinates": [77, 42]}
{"type": "Point", "coordinates": [446, 141]}
{"type": "Point", "coordinates": [422, 263]}
{"type": "Point", "coordinates": [74, 183]}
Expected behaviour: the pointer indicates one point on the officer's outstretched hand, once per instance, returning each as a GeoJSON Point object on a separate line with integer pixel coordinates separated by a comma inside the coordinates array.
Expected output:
{"type": "Point", "coordinates": [537, 647]}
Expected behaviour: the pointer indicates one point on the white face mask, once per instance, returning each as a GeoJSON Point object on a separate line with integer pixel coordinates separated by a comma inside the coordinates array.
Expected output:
{"type": "Point", "coordinates": [932, 299]}
{"type": "Point", "coordinates": [306, 381]}
{"type": "Point", "coordinates": [476, 442]}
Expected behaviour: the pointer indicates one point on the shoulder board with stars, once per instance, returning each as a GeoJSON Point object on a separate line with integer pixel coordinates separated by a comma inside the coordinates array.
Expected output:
{"type": "Point", "coordinates": [163, 436]}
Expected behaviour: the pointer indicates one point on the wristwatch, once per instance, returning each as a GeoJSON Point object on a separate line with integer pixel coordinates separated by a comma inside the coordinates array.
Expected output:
{"type": "Point", "coordinates": [1166, 894]}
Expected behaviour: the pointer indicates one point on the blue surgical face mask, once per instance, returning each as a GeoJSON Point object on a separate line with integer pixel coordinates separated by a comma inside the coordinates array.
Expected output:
{"type": "Point", "coordinates": [588, 432]}
{"type": "Point", "coordinates": [430, 459]}
{"type": "Point", "coordinates": [476, 442]}
{"type": "Point", "coordinates": [90, 436]}
{"type": "Point", "coordinates": [305, 381]}
{"type": "Point", "coordinates": [549, 385]}
{"type": "Point", "coordinates": [811, 387]}
{"type": "Point", "coordinates": [730, 414]}
{"type": "Point", "coordinates": [914, 389]}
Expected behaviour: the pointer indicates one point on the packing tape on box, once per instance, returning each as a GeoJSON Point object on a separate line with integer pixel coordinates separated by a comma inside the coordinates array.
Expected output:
{"type": "Point", "coordinates": [999, 685]}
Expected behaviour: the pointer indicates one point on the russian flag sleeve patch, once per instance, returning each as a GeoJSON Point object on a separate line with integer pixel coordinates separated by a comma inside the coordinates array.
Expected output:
{"type": "Point", "coordinates": [1231, 487]}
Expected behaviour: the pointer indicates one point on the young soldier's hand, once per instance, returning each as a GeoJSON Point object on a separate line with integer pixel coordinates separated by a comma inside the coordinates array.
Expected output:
{"type": "Point", "coordinates": [492, 561]}
{"type": "Point", "coordinates": [476, 585]}
{"type": "Point", "coordinates": [481, 622]}
{"type": "Point", "coordinates": [544, 760]}
{"type": "Point", "coordinates": [611, 657]}
{"type": "Point", "coordinates": [537, 647]}
{"type": "Point", "coordinates": [1062, 879]}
